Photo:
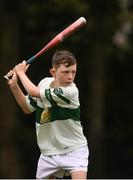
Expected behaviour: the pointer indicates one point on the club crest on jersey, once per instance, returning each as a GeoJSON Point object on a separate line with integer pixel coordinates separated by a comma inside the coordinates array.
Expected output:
{"type": "Point", "coordinates": [45, 116]}
{"type": "Point", "coordinates": [58, 91]}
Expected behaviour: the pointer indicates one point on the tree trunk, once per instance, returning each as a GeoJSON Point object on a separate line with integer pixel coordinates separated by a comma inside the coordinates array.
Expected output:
{"type": "Point", "coordinates": [96, 110]}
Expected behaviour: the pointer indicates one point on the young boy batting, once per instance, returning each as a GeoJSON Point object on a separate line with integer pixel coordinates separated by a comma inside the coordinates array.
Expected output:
{"type": "Point", "coordinates": [63, 146]}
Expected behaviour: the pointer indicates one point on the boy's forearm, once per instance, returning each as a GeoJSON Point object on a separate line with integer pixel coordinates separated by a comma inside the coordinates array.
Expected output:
{"type": "Point", "coordinates": [20, 98]}
{"type": "Point", "coordinates": [31, 89]}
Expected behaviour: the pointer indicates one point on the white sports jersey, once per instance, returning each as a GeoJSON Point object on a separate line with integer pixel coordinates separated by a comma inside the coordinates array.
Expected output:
{"type": "Point", "coordinates": [58, 126]}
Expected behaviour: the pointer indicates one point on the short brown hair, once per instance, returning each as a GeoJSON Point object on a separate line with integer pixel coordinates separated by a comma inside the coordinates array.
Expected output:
{"type": "Point", "coordinates": [63, 57]}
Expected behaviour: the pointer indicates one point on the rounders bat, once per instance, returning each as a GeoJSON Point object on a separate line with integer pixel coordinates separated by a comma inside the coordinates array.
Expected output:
{"type": "Point", "coordinates": [57, 39]}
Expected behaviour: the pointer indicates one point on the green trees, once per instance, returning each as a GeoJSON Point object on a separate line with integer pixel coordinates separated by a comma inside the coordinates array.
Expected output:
{"type": "Point", "coordinates": [104, 52]}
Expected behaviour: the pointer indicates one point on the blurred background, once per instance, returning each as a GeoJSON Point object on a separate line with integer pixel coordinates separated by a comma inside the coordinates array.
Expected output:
{"type": "Point", "coordinates": [104, 50]}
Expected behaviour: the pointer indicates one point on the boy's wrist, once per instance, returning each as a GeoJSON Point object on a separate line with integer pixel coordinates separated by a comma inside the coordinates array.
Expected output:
{"type": "Point", "coordinates": [19, 73]}
{"type": "Point", "coordinates": [13, 85]}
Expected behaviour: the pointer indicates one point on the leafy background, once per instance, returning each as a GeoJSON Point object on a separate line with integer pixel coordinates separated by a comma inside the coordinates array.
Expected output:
{"type": "Point", "coordinates": [104, 52]}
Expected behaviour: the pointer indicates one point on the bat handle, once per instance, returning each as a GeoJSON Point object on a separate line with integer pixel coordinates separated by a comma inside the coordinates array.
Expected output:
{"type": "Point", "coordinates": [30, 60]}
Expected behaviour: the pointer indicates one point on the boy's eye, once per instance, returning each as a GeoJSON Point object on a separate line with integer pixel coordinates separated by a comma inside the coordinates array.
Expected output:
{"type": "Point", "coordinates": [65, 72]}
{"type": "Point", "coordinates": [73, 72]}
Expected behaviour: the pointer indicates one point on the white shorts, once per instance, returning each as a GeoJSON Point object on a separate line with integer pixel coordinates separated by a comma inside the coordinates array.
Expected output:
{"type": "Point", "coordinates": [63, 164]}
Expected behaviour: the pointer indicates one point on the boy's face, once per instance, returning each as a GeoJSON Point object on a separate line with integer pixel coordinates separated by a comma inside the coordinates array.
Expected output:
{"type": "Point", "coordinates": [64, 75]}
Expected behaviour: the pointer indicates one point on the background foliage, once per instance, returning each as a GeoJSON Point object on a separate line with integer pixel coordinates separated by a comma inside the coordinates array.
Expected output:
{"type": "Point", "coordinates": [105, 62]}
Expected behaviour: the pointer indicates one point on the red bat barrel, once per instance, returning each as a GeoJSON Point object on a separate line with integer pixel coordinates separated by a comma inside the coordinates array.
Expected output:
{"type": "Point", "coordinates": [60, 37]}
{"type": "Point", "coordinates": [57, 39]}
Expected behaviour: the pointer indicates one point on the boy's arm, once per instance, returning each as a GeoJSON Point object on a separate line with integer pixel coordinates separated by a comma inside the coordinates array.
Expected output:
{"type": "Point", "coordinates": [31, 89]}
{"type": "Point", "coordinates": [17, 92]}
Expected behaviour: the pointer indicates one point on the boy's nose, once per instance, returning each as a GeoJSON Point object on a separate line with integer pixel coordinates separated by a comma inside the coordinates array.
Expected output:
{"type": "Point", "coordinates": [70, 76]}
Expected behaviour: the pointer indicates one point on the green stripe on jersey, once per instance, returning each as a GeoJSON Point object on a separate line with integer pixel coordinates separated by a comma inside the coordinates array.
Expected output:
{"type": "Point", "coordinates": [61, 113]}
{"type": "Point", "coordinates": [59, 92]}
{"type": "Point", "coordinates": [57, 113]}
{"type": "Point", "coordinates": [32, 102]}
{"type": "Point", "coordinates": [49, 97]}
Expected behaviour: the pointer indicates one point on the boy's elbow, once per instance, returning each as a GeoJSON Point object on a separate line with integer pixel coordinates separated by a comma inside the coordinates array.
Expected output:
{"type": "Point", "coordinates": [34, 94]}
{"type": "Point", "coordinates": [26, 110]}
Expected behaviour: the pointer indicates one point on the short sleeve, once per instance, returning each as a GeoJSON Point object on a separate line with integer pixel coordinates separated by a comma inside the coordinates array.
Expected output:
{"type": "Point", "coordinates": [31, 103]}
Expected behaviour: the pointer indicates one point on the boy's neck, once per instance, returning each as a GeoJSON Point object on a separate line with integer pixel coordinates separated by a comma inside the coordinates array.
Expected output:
{"type": "Point", "coordinates": [54, 84]}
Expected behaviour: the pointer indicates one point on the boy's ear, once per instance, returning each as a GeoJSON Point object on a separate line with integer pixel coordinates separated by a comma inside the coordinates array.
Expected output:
{"type": "Point", "coordinates": [52, 72]}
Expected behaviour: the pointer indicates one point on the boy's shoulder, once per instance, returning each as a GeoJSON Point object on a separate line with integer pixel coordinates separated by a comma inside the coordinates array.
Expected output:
{"type": "Point", "coordinates": [46, 81]}
{"type": "Point", "coordinates": [71, 89]}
